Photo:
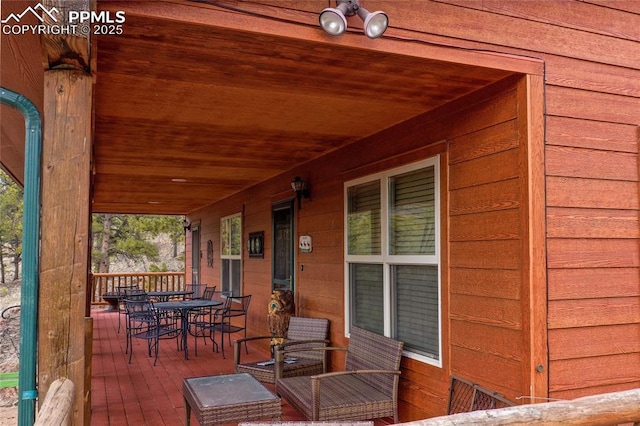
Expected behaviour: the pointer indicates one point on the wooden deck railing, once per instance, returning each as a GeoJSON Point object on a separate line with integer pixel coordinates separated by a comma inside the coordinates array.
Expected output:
{"type": "Point", "coordinates": [149, 281]}
{"type": "Point", "coordinates": [57, 405]}
{"type": "Point", "coordinates": [604, 409]}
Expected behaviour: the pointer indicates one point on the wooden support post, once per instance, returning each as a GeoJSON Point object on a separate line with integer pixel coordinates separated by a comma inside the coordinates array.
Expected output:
{"type": "Point", "coordinates": [66, 154]}
{"type": "Point", "coordinates": [88, 370]}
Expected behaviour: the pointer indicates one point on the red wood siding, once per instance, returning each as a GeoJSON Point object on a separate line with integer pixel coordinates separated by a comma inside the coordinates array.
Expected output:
{"type": "Point", "coordinates": [591, 52]}
{"type": "Point", "coordinates": [485, 232]}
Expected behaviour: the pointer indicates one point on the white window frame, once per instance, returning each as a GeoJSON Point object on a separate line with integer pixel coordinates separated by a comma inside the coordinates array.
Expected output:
{"type": "Point", "coordinates": [231, 257]}
{"type": "Point", "coordinates": [388, 260]}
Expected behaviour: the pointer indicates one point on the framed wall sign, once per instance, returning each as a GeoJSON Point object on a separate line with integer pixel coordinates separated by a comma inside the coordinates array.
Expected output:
{"type": "Point", "coordinates": [255, 244]}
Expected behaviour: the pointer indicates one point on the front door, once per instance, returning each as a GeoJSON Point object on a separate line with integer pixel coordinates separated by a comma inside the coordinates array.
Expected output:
{"type": "Point", "coordinates": [283, 246]}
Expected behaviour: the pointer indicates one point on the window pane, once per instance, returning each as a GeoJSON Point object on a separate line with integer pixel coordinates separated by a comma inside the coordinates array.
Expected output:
{"type": "Point", "coordinates": [412, 213]}
{"type": "Point", "coordinates": [416, 308]}
{"type": "Point", "coordinates": [225, 237]}
{"type": "Point", "coordinates": [225, 264]}
{"type": "Point", "coordinates": [235, 277]}
{"type": "Point", "coordinates": [231, 236]}
{"type": "Point", "coordinates": [364, 219]}
{"type": "Point", "coordinates": [236, 235]}
{"type": "Point", "coordinates": [367, 297]}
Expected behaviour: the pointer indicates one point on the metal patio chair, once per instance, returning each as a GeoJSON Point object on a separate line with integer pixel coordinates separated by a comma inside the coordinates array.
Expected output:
{"type": "Point", "coordinates": [144, 322]}
{"type": "Point", "coordinates": [231, 319]}
{"type": "Point", "coordinates": [202, 321]}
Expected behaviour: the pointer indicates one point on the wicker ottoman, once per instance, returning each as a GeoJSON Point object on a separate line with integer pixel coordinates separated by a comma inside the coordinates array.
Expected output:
{"type": "Point", "coordinates": [229, 398]}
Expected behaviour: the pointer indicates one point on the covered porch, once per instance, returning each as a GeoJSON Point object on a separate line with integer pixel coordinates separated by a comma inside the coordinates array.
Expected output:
{"type": "Point", "coordinates": [210, 111]}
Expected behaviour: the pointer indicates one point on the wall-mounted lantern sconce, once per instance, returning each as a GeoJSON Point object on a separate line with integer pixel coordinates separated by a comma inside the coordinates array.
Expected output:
{"type": "Point", "coordinates": [300, 187]}
{"type": "Point", "coordinates": [333, 19]}
{"type": "Point", "coordinates": [186, 225]}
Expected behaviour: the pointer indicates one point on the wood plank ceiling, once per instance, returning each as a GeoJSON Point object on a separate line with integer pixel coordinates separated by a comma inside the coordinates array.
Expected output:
{"type": "Point", "coordinates": [189, 112]}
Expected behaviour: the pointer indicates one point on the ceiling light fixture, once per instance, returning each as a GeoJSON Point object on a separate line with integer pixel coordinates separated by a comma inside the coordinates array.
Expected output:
{"type": "Point", "coordinates": [333, 19]}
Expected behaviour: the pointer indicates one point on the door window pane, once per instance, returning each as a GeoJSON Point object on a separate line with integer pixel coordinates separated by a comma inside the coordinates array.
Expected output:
{"type": "Point", "coordinates": [282, 248]}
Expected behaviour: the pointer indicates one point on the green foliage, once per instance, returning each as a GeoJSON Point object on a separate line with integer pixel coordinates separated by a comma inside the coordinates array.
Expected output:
{"type": "Point", "coordinates": [11, 208]}
{"type": "Point", "coordinates": [134, 248]}
{"type": "Point", "coordinates": [126, 236]}
{"type": "Point", "coordinates": [155, 268]}
{"type": "Point", "coordinates": [130, 237]}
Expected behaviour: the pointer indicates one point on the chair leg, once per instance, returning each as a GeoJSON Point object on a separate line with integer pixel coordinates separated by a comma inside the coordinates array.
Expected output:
{"type": "Point", "coordinates": [214, 344]}
{"type": "Point", "coordinates": [129, 345]}
{"type": "Point", "coordinates": [157, 347]}
{"type": "Point", "coordinates": [222, 343]}
{"type": "Point", "coordinates": [128, 337]}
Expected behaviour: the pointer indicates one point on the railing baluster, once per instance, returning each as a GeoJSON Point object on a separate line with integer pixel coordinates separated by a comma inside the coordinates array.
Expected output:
{"type": "Point", "coordinates": [150, 281]}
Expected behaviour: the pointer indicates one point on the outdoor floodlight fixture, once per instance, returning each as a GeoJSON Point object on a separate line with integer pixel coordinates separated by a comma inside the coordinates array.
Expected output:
{"type": "Point", "coordinates": [300, 187]}
{"type": "Point", "coordinates": [186, 225]}
{"type": "Point", "coordinates": [333, 19]}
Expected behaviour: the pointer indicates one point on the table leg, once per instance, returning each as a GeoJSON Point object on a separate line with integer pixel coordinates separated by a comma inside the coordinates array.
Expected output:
{"type": "Point", "coordinates": [185, 331]}
{"type": "Point", "coordinates": [187, 412]}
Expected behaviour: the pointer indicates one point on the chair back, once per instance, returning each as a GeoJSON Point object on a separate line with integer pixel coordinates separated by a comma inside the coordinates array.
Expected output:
{"type": "Point", "coordinates": [197, 290]}
{"type": "Point", "coordinates": [238, 306]}
{"type": "Point", "coordinates": [371, 351]}
{"type": "Point", "coordinates": [208, 293]}
{"type": "Point", "coordinates": [122, 289]}
{"type": "Point", "coordinates": [135, 294]}
{"type": "Point", "coordinates": [139, 306]}
{"type": "Point", "coordinates": [221, 296]}
{"type": "Point", "coordinates": [301, 328]}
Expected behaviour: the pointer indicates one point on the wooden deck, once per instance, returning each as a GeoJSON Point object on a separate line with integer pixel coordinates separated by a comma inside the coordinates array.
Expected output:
{"type": "Point", "coordinates": [141, 394]}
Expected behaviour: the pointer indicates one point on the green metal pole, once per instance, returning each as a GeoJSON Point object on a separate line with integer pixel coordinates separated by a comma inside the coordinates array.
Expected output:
{"type": "Point", "coordinates": [27, 392]}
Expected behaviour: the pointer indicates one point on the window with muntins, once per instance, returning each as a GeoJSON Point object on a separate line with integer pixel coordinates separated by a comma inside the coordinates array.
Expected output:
{"type": "Point", "coordinates": [392, 254]}
{"type": "Point", "coordinates": [231, 253]}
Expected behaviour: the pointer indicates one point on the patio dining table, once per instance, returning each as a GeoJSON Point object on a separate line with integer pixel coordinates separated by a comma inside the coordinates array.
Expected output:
{"type": "Point", "coordinates": [183, 307]}
{"type": "Point", "coordinates": [165, 296]}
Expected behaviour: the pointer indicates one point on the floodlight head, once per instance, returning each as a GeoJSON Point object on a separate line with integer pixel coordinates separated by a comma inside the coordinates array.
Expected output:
{"type": "Point", "coordinates": [375, 23]}
{"type": "Point", "coordinates": [333, 19]}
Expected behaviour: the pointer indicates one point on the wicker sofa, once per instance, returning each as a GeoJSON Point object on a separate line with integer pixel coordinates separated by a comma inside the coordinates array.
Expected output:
{"type": "Point", "coordinates": [303, 333]}
{"type": "Point", "coordinates": [367, 389]}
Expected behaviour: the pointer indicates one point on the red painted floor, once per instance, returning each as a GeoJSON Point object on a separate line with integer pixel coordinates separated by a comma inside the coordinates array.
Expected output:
{"type": "Point", "coordinates": [140, 394]}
